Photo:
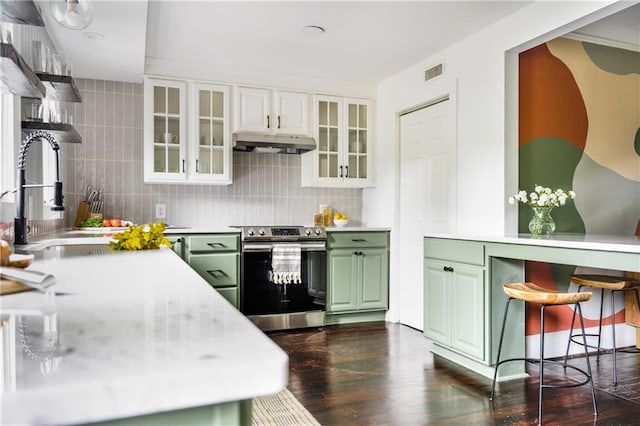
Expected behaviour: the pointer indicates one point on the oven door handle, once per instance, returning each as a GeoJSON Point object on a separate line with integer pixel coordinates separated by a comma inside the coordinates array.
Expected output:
{"type": "Point", "coordinates": [248, 247]}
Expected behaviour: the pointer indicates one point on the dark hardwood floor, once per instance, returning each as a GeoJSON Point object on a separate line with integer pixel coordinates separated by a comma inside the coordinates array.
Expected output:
{"type": "Point", "coordinates": [384, 374]}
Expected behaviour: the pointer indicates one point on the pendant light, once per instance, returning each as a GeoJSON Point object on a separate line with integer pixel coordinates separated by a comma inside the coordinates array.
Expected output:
{"type": "Point", "coordinates": [72, 14]}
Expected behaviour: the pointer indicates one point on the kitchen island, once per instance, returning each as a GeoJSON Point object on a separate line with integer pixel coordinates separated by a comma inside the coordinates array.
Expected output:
{"type": "Point", "coordinates": [130, 338]}
{"type": "Point", "coordinates": [463, 297]}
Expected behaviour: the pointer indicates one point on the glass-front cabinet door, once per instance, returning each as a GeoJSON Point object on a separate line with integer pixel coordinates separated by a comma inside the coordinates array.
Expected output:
{"type": "Point", "coordinates": [164, 130]}
{"type": "Point", "coordinates": [342, 129]}
{"type": "Point", "coordinates": [211, 147]}
{"type": "Point", "coordinates": [328, 129]}
{"type": "Point", "coordinates": [357, 140]}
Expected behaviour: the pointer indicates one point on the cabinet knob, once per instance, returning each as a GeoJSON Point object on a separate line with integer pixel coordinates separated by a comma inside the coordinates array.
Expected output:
{"type": "Point", "coordinates": [448, 269]}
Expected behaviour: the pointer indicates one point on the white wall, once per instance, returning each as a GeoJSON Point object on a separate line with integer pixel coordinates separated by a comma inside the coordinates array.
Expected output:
{"type": "Point", "coordinates": [478, 66]}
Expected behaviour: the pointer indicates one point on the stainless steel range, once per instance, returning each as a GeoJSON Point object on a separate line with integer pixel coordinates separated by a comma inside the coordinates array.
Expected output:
{"type": "Point", "coordinates": [283, 276]}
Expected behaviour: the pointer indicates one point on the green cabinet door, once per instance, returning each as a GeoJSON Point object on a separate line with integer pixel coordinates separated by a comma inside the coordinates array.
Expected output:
{"type": "Point", "coordinates": [437, 299]}
{"type": "Point", "coordinates": [341, 288]}
{"type": "Point", "coordinates": [454, 306]}
{"type": "Point", "coordinates": [372, 284]}
{"type": "Point", "coordinates": [467, 309]}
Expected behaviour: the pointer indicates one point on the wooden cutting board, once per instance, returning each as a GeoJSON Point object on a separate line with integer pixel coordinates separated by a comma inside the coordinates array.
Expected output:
{"type": "Point", "coordinates": [8, 286]}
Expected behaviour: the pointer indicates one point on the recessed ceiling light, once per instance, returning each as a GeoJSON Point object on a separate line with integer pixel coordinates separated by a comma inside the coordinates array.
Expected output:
{"type": "Point", "coordinates": [313, 30]}
{"type": "Point", "coordinates": [93, 36]}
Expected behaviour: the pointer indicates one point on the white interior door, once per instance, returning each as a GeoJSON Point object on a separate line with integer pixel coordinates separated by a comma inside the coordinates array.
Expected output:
{"type": "Point", "coordinates": [427, 196]}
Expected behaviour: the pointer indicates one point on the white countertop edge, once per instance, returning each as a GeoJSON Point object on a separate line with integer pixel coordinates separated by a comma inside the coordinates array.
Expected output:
{"type": "Point", "coordinates": [620, 243]}
{"type": "Point", "coordinates": [132, 397]}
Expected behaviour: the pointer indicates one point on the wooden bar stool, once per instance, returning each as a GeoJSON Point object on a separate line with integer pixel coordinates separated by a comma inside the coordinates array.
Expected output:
{"type": "Point", "coordinates": [612, 284]}
{"type": "Point", "coordinates": [529, 292]}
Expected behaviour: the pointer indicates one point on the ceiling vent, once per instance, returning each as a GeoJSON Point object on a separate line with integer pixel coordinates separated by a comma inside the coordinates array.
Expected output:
{"type": "Point", "coordinates": [434, 72]}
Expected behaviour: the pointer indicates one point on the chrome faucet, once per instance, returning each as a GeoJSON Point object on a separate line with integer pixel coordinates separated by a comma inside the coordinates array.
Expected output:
{"type": "Point", "coordinates": [20, 223]}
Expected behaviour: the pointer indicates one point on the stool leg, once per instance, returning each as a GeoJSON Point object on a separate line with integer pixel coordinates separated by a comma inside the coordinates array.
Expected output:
{"type": "Point", "coordinates": [613, 334]}
{"type": "Point", "coordinates": [541, 384]}
{"type": "Point", "coordinates": [495, 371]}
{"type": "Point", "coordinates": [586, 356]}
{"type": "Point", "coordinates": [600, 324]}
{"type": "Point", "coordinates": [573, 321]}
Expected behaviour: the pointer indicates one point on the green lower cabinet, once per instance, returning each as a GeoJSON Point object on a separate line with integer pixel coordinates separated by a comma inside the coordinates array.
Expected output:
{"type": "Point", "coordinates": [358, 278]}
{"type": "Point", "coordinates": [217, 259]}
{"type": "Point", "coordinates": [455, 306]}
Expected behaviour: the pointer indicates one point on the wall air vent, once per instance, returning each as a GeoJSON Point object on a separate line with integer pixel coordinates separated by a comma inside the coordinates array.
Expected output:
{"type": "Point", "coordinates": [433, 72]}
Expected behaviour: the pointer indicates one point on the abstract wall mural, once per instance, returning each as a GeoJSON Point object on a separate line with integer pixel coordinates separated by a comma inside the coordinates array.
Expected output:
{"type": "Point", "coordinates": [579, 129]}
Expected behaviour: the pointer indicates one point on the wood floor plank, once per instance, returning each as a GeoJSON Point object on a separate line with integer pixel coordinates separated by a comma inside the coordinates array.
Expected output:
{"type": "Point", "coordinates": [383, 374]}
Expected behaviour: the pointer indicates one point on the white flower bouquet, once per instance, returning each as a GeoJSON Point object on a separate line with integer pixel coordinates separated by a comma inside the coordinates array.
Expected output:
{"type": "Point", "coordinates": [543, 197]}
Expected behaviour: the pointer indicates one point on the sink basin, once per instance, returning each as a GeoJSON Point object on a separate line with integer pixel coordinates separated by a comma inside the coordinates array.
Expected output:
{"type": "Point", "coordinates": [74, 250]}
{"type": "Point", "coordinates": [62, 242]}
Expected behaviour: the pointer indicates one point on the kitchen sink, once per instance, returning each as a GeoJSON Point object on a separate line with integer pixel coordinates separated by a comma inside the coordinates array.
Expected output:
{"type": "Point", "coordinates": [74, 250]}
{"type": "Point", "coordinates": [40, 246]}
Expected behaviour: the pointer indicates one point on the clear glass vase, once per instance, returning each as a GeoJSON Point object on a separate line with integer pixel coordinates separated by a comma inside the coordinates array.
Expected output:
{"type": "Point", "coordinates": [542, 223]}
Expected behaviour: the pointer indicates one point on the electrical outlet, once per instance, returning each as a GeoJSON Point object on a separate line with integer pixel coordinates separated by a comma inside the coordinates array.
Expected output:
{"type": "Point", "coordinates": [161, 211]}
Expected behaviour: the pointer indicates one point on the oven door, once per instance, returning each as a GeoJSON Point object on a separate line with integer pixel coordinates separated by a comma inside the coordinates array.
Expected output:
{"type": "Point", "coordinates": [259, 296]}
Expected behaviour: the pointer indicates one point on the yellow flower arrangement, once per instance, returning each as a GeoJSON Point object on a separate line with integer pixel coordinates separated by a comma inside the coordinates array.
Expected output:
{"type": "Point", "coordinates": [142, 237]}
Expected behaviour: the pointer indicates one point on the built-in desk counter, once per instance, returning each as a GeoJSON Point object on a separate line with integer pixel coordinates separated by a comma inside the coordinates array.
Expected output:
{"type": "Point", "coordinates": [464, 301]}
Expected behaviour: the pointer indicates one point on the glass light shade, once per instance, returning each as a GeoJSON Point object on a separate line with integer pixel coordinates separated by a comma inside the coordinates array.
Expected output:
{"type": "Point", "coordinates": [72, 14]}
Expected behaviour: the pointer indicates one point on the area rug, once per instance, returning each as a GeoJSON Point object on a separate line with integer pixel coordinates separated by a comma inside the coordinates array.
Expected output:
{"type": "Point", "coordinates": [281, 409]}
{"type": "Point", "coordinates": [628, 386]}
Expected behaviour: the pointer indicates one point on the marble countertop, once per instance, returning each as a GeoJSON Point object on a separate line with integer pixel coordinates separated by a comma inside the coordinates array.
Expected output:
{"type": "Point", "coordinates": [125, 334]}
{"type": "Point", "coordinates": [620, 243]}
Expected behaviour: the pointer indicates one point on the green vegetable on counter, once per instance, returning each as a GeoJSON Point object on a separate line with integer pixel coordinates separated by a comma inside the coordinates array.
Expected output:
{"type": "Point", "coordinates": [92, 222]}
{"type": "Point", "coordinates": [143, 237]}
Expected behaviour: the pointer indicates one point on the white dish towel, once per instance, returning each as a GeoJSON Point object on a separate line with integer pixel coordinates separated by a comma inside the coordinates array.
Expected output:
{"type": "Point", "coordinates": [285, 264]}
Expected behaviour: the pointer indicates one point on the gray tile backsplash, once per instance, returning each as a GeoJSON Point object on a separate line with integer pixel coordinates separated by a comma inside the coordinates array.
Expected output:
{"type": "Point", "coordinates": [266, 188]}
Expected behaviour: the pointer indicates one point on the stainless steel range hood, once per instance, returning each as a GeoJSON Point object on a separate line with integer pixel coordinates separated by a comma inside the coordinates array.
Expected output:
{"type": "Point", "coordinates": [272, 144]}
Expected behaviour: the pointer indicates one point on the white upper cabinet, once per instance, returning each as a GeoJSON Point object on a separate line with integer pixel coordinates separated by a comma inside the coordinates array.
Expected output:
{"type": "Point", "coordinates": [342, 128]}
{"type": "Point", "coordinates": [186, 132]}
{"type": "Point", "coordinates": [165, 130]}
{"type": "Point", "coordinates": [292, 109]}
{"type": "Point", "coordinates": [210, 159]}
{"type": "Point", "coordinates": [271, 111]}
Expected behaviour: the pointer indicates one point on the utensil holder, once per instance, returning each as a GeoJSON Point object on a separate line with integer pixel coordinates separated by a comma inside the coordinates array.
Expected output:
{"type": "Point", "coordinates": [82, 213]}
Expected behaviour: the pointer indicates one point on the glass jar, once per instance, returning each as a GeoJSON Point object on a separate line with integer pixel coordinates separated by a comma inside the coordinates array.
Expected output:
{"type": "Point", "coordinates": [326, 215]}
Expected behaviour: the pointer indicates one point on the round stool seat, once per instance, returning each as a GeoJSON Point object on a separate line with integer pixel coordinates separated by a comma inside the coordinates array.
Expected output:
{"type": "Point", "coordinates": [530, 292]}
{"type": "Point", "coordinates": [607, 282]}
